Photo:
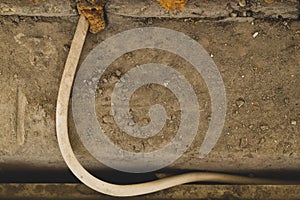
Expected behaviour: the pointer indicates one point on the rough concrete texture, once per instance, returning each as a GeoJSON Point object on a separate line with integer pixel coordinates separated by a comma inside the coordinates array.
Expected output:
{"type": "Point", "coordinates": [258, 59]}
{"type": "Point", "coordinates": [203, 9]}
{"type": "Point", "coordinates": [79, 191]}
{"type": "Point", "coordinates": [39, 8]}
{"type": "Point", "coordinates": [212, 9]}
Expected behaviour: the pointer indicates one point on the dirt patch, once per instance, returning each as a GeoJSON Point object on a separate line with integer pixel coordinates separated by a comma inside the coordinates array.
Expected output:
{"type": "Point", "coordinates": [259, 63]}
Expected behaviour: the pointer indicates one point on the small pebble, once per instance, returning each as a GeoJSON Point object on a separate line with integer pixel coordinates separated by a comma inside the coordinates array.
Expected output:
{"type": "Point", "coordinates": [113, 79]}
{"type": "Point", "coordinates": [106, 119]}
{"type": "Point", "coordinates": [294, 122]}
{"type": "Point", "coordinates": [240, 102]}
{"type": "Point", "coordinates": [6, 9]}
{"type": "Point", "coordinates": [243, 142]}
{"type": "Point", "coordinates": [264, 127]}
{"type": "Point", "coordinates": [255, 105]}
{"type": "Point", "coordinates": [242, 3]}
{"type": "Point", "coordinates": [100, 91]}
{"type": "Point", "coordinates": [244, 13]}
{"type": "Point", "coordinates": [131, 123]}
{"type": "Point", "coordinates": [255, 35]}
{"type": "Point", "coordinates": [118, 72]}
{"type": "Point", "coordinates": [286, 100]}
{"type": "Point", "coordinates": [233, 14]}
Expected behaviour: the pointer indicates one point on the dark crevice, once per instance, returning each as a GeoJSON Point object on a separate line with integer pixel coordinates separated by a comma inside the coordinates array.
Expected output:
{"type": "Point", "coordinates": [30, 175]}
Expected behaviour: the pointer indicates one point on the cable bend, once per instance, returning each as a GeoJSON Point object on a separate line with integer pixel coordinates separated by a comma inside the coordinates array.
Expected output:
{"type": "Point", "coordinates": [101, 186]}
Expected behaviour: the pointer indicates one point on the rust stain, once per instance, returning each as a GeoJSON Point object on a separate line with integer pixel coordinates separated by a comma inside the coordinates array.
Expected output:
{"type": "Point", "coordinates": [94, 13]}
{"type": "Point", "coordinates": [172, 4]}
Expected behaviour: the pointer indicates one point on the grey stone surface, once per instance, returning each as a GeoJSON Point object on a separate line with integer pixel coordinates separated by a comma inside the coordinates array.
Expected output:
{"type": "Point", "coordinates": [201, 9]}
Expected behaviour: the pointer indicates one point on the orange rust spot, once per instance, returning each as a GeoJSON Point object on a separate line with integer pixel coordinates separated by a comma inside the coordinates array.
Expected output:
{"type": "Point", "coordinates": [94, 13]}
{"type": "Point", "coordinates": [172, 4]}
